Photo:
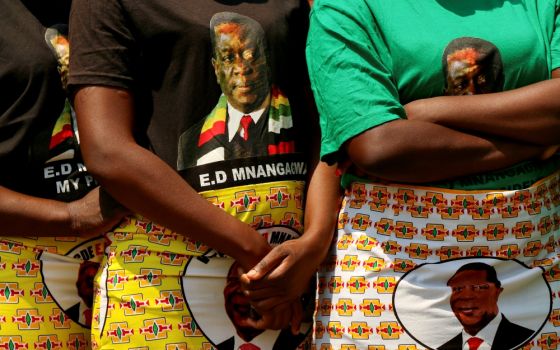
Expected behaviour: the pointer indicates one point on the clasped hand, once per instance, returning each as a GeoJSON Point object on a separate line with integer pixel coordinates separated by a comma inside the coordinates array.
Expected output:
{"type": "Point", "coordinates": [275, 286]}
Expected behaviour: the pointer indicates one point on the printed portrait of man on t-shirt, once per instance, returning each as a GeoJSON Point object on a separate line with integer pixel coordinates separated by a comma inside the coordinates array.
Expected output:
{"type": "Point", "coordinates": [252, 117]}
{"type": "Point", "coordinates": [472, 66]}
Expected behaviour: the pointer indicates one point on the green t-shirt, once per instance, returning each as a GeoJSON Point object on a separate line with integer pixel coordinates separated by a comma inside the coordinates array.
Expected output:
{"type": "Point", "coordinates": [367, 58]}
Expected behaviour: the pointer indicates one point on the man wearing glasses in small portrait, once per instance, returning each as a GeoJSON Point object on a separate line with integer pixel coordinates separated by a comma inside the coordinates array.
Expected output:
{"type": "Point", "coordinates": [475, 289]}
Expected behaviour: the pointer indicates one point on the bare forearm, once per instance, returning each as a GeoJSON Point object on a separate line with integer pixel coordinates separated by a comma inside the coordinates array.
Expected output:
{"type": "Point", "coordinates": [145, 184]}
{"type": "Point", "coordinates": [323, 195]}
{"type": "Point", "coordinates": [25, 215]}
{"type": "Point", "coordinates": [530, 114]}
{"type": "Point", "coordinates": [283, 275]}
{"type": "Point", "coordinates": [89, 216]}
{"type": "Point", "coordinates": [148, 186]}
{"type": "Point", "coordinates": [321, 209]}
{"type": "Point", "coordinates": [416, 151]}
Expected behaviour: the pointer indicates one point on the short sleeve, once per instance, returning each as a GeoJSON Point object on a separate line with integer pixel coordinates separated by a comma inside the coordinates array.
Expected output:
{"type": "Point", "coordinates": [103, 49]}
{"type": "Point", "coordinates": [555, 42]}
{"type": "Point", "coordinates": [350, 71]}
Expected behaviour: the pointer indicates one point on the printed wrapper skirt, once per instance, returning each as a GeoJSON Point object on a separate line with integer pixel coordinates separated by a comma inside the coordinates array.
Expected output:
{"type": "Point", "coordinates": [160, 290]}
{"type": "Point", "coordinates": [411, 267]}
{"type": "Point", "coordinates": [46, 292]}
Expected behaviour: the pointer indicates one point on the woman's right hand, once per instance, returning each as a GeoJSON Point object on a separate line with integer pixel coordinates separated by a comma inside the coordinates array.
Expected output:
{"type": "Point", "coordinates": [95, 213]}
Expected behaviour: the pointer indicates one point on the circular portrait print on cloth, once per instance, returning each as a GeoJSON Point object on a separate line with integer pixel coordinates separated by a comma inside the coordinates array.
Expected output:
{"type": "Point", "coordinates": [214, 298]}
{"type": "Point", "coordinates": [500, 302]}
{"type": "Point", "coordinates": [69, 279]}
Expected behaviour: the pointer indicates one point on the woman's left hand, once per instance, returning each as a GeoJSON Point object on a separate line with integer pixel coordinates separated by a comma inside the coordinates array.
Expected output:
{"type": "Point", "coordinates": [282, 276]}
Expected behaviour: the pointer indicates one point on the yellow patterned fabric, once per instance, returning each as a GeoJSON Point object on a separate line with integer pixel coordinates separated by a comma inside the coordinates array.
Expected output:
{"type": "Point", "coordinates": [161, 290]}
{"type": "Point", "coordinates": [40, 306]}
{"type": "Point", "coordinates": [394, 266]}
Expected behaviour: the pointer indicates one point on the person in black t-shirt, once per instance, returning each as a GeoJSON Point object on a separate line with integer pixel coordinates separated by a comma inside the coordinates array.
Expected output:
{"type": "Point", "coordinates": [50, 206]}
{"type": "Point", "coordinates": [33, 98]}
{"type": "Point", "coordinates": [144, 78]}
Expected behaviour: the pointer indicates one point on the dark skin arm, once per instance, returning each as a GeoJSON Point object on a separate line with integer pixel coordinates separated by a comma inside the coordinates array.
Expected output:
{"type": "Point", "coordinates": [280, 278]}
{"type": "Point", "coordinates": [147, 185]}
{"type": "Point", "coordinates": [413, 151]}
{"type": "Point", "coordinates": [92, 215]}
{"type": "Point", "coordinates": [469, 134]}
{"type": "Point", "coordinates": [530, 114]}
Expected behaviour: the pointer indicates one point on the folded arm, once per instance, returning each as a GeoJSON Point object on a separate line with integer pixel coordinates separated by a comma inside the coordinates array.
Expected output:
{"type": "Point", "coordinates": [347, 51]}
{"type": "Point", "coordinates": [450, 136]}
{"type": "Point", "coordinates": [145, 184]}
{"type": "Point", "coordinates": [419, 151]}
{"type": "Point", "coordinates": [530, 114]}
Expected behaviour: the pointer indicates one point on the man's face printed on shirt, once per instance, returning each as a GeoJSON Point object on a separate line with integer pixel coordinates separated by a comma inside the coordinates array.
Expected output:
{"type": "Point", "coordinates": [240, 65]}
{"type": "Point", "coordinates": [474, 300]}
{"type": "Point", "coordinates": [472, 66]}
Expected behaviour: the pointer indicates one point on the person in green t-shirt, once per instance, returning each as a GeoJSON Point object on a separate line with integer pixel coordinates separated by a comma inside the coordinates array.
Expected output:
{"type": "Point", "coordinates": [444, 118]}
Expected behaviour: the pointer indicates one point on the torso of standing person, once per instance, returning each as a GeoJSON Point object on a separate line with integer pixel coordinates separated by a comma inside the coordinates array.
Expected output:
{"type": "Point", "coordinates": [161, 51]}
{"type": "Point", "coordinates": [404, 43]}
{"type": "Point", "coordinates": [166, 54]}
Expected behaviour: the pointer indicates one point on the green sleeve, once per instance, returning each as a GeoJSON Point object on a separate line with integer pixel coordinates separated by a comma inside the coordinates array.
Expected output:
{"type": "Point", "coordinates": [350, 70]}
{"type": "Point", "coordinates": [555, 42]}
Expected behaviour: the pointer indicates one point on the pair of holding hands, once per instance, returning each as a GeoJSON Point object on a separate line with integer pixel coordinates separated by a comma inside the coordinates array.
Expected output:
{"type": "Point", "coordinates": [275, 285]}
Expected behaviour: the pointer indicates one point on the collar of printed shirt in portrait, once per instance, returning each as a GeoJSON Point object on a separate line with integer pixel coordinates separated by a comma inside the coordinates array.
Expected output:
{"type": "Point", "coordinates": [234, 118]}
{"type": "Point", "coordinates": [265, 340]}
{"type": "Point", "coordinates": [487, 334]}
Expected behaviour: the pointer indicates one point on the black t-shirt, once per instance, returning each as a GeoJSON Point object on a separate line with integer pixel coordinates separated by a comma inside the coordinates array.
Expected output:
{"type": "Point", "coordinates": [162, 52]}
{"type": "Point", "coordinates": [39, 152]}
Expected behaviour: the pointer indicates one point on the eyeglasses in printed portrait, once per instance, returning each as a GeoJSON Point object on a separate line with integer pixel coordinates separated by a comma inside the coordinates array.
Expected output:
{"type": "Point", "coordinates": [482, 304]}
